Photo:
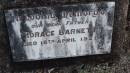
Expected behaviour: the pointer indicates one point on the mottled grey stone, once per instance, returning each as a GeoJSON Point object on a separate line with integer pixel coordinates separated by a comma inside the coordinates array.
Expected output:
{"type": "Point", "coordinates": [87, 26]}
{"type": "Point", "coordinates": [117, 63]}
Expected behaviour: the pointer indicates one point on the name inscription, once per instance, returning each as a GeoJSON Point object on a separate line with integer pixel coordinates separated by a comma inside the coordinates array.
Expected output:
{"type": "Point", "coordinates": [58, 32]}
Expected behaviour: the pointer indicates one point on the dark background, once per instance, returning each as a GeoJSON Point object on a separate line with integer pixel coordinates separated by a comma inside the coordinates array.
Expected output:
{"type": "Point", "coordinates": [116, 62]}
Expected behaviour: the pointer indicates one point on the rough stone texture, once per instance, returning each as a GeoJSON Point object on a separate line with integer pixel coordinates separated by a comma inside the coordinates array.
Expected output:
{"type": "Point", "coordinates": [117, 62]}
{"type": "Point", "coordinates": [98, 31]}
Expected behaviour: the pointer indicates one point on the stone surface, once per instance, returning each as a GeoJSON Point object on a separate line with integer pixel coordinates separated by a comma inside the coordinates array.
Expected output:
{"type": "Point", "coordinates": [61, 31]}
{"type": "Point", "coordinates": [117, 62]}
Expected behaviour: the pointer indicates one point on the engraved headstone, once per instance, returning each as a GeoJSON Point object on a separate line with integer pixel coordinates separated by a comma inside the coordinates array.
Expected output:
{"type": "Point", "coordinates": [61, 31]}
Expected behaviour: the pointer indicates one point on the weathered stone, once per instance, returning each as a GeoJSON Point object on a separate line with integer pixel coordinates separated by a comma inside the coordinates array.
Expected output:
{"type": "Point", "coordinates": [62, 31]}
{"type": "Point", "coordinates": [117, 62]}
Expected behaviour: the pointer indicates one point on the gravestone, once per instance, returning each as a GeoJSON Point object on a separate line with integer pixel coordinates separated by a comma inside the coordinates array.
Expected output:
{"type": "Point", "coordinates": [42, 33]}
